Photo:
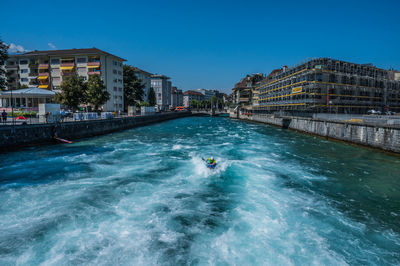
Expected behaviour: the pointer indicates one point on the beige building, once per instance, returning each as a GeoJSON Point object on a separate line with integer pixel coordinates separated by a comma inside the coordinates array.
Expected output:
{"type": "Point", "coordinates": [47, 69]}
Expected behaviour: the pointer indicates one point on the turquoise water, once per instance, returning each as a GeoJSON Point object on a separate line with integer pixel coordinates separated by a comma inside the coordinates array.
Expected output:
{"type": "Point", "coordinates": [144, 197]}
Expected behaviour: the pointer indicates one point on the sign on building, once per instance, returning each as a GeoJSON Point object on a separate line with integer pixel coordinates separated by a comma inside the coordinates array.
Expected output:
{"type": "Point", "coordinates": [297, 89]}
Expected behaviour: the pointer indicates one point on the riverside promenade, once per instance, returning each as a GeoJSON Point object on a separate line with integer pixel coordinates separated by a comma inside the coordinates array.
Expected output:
{"type": "Point", "coordinates": [374, 135]}
{"type": "Point", "coordinates": [16, 136]}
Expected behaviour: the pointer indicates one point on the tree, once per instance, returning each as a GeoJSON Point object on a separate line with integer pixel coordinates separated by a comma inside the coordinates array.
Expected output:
{"type": "Point", "coordinates": [73, 92]}
{"type": "Point", "coordinates": [152, 97]}
{"type": "Point", "coordinates": [133, 87]}
{"type": "Point", "coordinates": [144, 104]}
{"type": "Point", "coordinates": [194, 103]}
{"type": "Point", "coordinates": [96, 93]}
{"type": "Point", "coordinates": [3, 59]}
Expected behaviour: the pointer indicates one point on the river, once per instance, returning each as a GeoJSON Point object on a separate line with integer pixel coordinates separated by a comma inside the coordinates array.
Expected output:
{"type": "Point", "coordinates": [144, 197]}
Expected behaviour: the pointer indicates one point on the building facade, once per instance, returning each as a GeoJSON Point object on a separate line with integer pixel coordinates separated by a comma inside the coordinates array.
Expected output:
{"type": "Point", "coordinates": [146, 82]}
{"type": "Point", "coordinates": [190, 95]}
{"type": "Point", "coordinates": [328, 85]}
{"type": "Point", "coordinates": [176, 97]}
{"type": "Point", "coordinates": [162, 89]}
{"type": "Point", "coordinates": [207, 93]}
{"type": "Point", "coordinates": [47, 70]}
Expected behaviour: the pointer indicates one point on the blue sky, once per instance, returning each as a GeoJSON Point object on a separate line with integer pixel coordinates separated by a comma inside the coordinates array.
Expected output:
{"type": "Point", "coordinates": [210, 44]}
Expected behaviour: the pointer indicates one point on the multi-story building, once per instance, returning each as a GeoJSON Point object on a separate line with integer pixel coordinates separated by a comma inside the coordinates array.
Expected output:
{"type": "Point", "coordinates": [47, 70]}
{"type": "Point", "coordinates": [146, 82]}
{"type": "Point", "coordinates": [328, 85]}
{"type": "Point", "coordinates": [243, 90]}
{"type": "Point", "coordinates": [207, 93]}
{"type": "Point", "coordinates": [176, 97]}
{"type": "Point", "coordinates": [162, 89]}
{"type": "Point", "coordinates": [188, 96]}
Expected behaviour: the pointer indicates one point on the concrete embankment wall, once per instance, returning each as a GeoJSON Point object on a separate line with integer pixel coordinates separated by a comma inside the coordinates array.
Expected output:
{"type": "Point", "coordinates": [381, 137]}
{"type": "Point", "coordinates": [26, 135]}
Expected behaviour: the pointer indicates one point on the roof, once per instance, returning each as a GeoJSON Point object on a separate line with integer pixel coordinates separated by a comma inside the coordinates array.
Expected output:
{"type": "Point", "coordinates": [29, 91]}
{"type": "Point", "coordinates": [159, 76]}
{"type": "Point", "coordinates": [142, 71]}
{"type": "Point", "coordinates": [242, 83]}
{"type": "Point", "coordinates": [74, 51]}
{"type": "Point", "coordinates": [193, 93]}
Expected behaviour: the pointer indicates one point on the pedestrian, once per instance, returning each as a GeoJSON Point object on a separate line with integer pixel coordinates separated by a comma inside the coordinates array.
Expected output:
{"type": "Point", "coordinates": [4, 116]}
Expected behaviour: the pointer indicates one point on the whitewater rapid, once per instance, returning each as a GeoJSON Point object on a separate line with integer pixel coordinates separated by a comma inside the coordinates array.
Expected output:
{"type": "Point", "coordinates": [144, 197]}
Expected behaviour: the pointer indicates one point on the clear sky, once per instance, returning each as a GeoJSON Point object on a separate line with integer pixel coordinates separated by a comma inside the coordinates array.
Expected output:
{"type": "Point", "coordinates": [210, 44]}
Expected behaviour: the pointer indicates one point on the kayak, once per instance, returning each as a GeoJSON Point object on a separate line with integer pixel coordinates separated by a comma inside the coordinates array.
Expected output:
{"type": "Point", "coordinates": [211, 165]}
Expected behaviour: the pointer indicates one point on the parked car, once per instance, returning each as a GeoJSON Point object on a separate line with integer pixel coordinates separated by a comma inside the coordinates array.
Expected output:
{"type": "Point", "coordinates": [390, 113]}
{"type": "Point", "coordinates": [374, 112]}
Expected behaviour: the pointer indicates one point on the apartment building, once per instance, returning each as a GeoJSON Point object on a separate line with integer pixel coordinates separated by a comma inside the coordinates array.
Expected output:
{"type": "Point", "coordinates": [176, 97]}
{"type": "Point", "coordinates": [207, 93]}
{"type": "Point", "coordinates": [328, 85]}
{"type": "Point", "coordinates": [146, 82]}
{"type": "Point", "coordinates": [162, 89]}
{"type": "Point", "coordinates": [47, 70]}
{"type": "Point", "coordinates": [190, 95]}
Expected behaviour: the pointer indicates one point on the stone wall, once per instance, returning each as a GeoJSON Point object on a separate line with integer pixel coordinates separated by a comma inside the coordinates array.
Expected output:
{"type": "Point", "coordinates": [26, 135]}
{"type": "Point", "coordinates": [382, 137]}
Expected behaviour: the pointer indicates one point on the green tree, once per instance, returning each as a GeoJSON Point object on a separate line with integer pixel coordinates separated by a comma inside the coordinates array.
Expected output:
{"type": "Point", "coordinates": [152, 97]}
{"type": "Point", "coordinates": [96, 93]}
{"type": "Point", "coordinates": [73, 92]}
{"type": "Point", "coordinates": [3, 59]}
{"type": "Point", "coordinates": [133, 87]}
{"type": "Point", "coordinates": [194, 103]}
{"type": "Point", "coordinates": [144, 104]}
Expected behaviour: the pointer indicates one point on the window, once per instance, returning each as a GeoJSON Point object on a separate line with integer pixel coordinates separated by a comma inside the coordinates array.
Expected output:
{"type": "Point", "coordinates": [120, 89]}
{"type": "Point", "coordinates": [115, 88]}
{"type": "Point", "coordinates": [23, 62]}
{"type": "Point", "coordinates": [120, 105]}
{"type": "Point", "coordinates": [120, 64]}
{"type": "Point", "coordinates": [24, 70]}
{"type": "Point", "coordinates": [55, 61]}
{"type": "Point", "coordinates": [119, 72]}
{"type": "Point", "coordinates": [114, 71]}
{"type": "Point", "coordinates": [81, 60]}
{"type": "Point", "coordinates": [24, 80]}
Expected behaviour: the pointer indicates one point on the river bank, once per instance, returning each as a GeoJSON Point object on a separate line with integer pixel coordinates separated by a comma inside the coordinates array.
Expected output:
{"type": "Point", "coordinates": [386, 138]}
{"type": "Point", "coordinates": [12, 137]}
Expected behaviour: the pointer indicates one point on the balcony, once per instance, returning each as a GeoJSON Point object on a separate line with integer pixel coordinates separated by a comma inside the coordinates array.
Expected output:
{"type": "Point", "coordinates": [43, 76]}
{"type": "Point", "coordinates": [94, 73]}
{"type": "Point", "coordinates": [66, 74]}
{"type": "Point", "coordinates": [12, 66]}
{"type": "Point", "coordinates": [93, 64]}
{"type": "Point", "coordinates": [33, 65]}
{"type": "Point", "coordinates": [67, 66]}
{"type": "Point", "coordinates": [43, 66]}
{"type": "Point", "coordinates": [33, 74]}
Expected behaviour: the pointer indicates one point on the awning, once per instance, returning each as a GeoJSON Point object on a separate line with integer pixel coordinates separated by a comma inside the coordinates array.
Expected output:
{"type": "Point", "coordinates": [43, 86]}
{"type": "Point", "coordinates": [93, 66]}
{"type": "Point", "coordinates": [43, 77]}
{"type": "Point", "coordinates": [67, 67]}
